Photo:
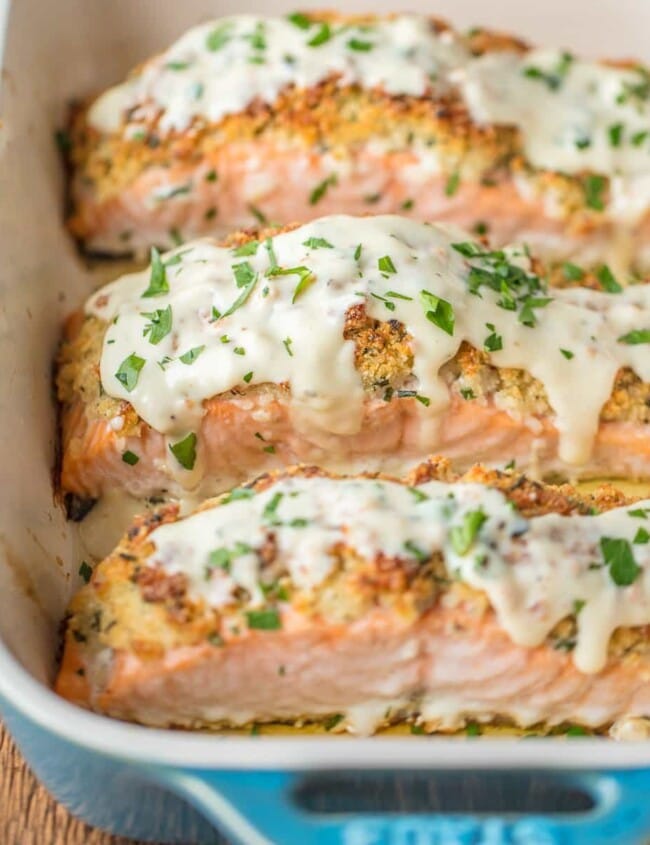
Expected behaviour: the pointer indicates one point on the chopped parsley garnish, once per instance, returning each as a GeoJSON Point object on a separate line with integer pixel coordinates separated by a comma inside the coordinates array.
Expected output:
{"type": "Point", "coordinates": [246, 279]}
{"type": "Point", "coordinates": [640, 138]}
{"type": "Point", "coordinates": [185, 451]}
{"type": "Point", "coordinates": [130, 458]}
{"type": "Point", "coordinates": [390, 306]}
{"type": "Point", "coordinates": [211, 213]}
{"type": "Point", "coordinates": [578, 604]}
{"type": "Point", "coordinates": [407, 205]}
{"type": "Point", "coordinates": [423, 400]}
{"type": "Point", "coordinates": [453, 183]}
{"type": "Point", "coordinates": [414, 550]}
{"type": "Point", "coordinates": [271, 506]}
{"type": "Point", "coordinates": [321, 189]}
{"type": "Point", "coordinates": [177, 237]}
{"type": "Point", "coordinates": [224, 338]}
{"type": "Point", "coordinates": [270, 449]}
{"type": "Point", "coordinates": [258, 215]}
{"type": "Point", "coordinates": [481, 227]}
{"type": "Point", "coordinates": [608, 280]}
{"type": "Point", "coordinates": [639, 91]}
{"type": "Point", "coordinates": [438, 311]}
{"type": "Point", "coordinates": [239, 350]}
{"type": "Point", "coordinates": [357, 252]}
{"type": "Point", "coordinates": [385, 264]}
{"type": "Point", "coordinates": [220, 559]}
{"type": "Point", "coordinates": [248, 377]}
{"type": "Point", "coordinates": [160, 324]}
{"type": "Point", "coordinates": [472, 729]}
{"type": "Point", "coordinates": [462, 536]}
{"type": "Point", "coordinates": [641, 537]}
{"type": "Point", "coordinates": [318, 243]}
{"type": "Point", "coordinates": [394, 295]}
{"type": "Point", "coordinates": [517, 289]}
{"type": "Point", "coordinates": [576, 730]}
{"type": "Point", "coordinates": [567, 354]}
{"type": "Point", "coordinates": [467, 393]}
{"type": "Point", "coordinates": [493, 342]}
{"type": "Point", "coordinates": [594, 187]}
{"type": "Point", "coordinates": [211, 176]}
{"type": "Point", "coordinates": [299, 20]}
{"type": "Point", "coordinates": [635, 337]}
{"type": "Point", "coordinates": [417, 494]}
{"type": "Point", "coordinates": [554, 78]}
{"type": "Point", "coordinates": [572, 272]}
{"type": "Point", "coordinates": [371, 199]}
{"type": "Point", "coordinates": [238, 493]}
{"type": "Point", "coordinates": [244, 273]}
{"type": "Point", "coordinates": [218, 38]}
{"type": "Point", "coordinates": [223, 557]}
{"type": "Point", "coordinates": [615, 133]}
{"type": "Point", "coordinates": [249, 248]}
{"type": "Point", "coordinates": [158, 283]}
{"type": "Point", "coordinates": [322, 36]}
{"type": "Point", "coordinates": [85, 570]}
{"type": "Point", "coordinates": [305, 275]}
{"type": "Point", "coordinates": [618, 556]}
{"type": "Point", "coordinates": [332, 721]}
{"type": "Point", "coordinates": [264, 620]}
{"type": "Point", "coordinates": [511, 464]}
{"type": "Point", "coordinates": [273, 261]}
{"type": "Point", "coordinates": [638, 513]}
{"type": "Point", "coordinates": [359, 45]}
{"type": "Point", "coordinates": [129, 371]}
{"type": "Point", "coordinates": [191, 355]}
{"type": "Point", "coordinates": [287, 345]}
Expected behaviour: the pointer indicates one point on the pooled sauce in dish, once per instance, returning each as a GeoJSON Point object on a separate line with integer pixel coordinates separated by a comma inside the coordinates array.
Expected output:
{"type": "Point", "coordinates": [535, 572]}
{"type": "Point", "coordinates": [204, 319]}
{"type": "Point", "coordinates": [574, 115]}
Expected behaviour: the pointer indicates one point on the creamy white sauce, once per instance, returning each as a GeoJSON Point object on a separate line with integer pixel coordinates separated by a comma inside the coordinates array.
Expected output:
{"type": "Point", "coordinates": [220, 67]}
{"type": "Point", "coordinates": [535, 572]}
{"type": "Point", "coordinates": [272, 339]}
{"type": "Point", "coordinates": [574, 115]}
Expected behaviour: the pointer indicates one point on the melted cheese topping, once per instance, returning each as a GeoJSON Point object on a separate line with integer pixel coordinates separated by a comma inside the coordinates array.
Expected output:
{"type": "Point", "coordinates": [275, 312]}
{"type": "Point", "coordinates": [574, 115]}
{"type": "Point", "coordinates": [535, 572]}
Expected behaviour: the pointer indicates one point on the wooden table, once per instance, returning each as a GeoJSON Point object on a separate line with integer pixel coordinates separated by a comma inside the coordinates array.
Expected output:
{"type": "Point", "coordinates": [29, 816]}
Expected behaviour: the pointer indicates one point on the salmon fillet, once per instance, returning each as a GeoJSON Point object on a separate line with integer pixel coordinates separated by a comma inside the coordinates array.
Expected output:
{"type": "Point", "coordinates": [479, 401]}
{"type": "Point", "coordinates": [341, 617]}
{"type": "Point", "coordinates": [150, 165]}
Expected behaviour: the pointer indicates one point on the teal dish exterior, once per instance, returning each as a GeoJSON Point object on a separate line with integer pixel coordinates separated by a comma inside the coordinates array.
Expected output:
{"type": "Point", "coordinates": [192, 806]}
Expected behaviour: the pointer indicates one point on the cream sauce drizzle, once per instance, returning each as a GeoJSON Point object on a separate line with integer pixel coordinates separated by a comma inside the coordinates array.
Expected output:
{"type": "Point", "coordinates": [257, 57]}
{"type": "Point", "coordinates": [533, 571]}
{"type": "Point", "coordinates": [566, 109]}
{"type": "Point", "coordinates": [270, 339]}
{"type": "Point", "coordinates": [574, 116]}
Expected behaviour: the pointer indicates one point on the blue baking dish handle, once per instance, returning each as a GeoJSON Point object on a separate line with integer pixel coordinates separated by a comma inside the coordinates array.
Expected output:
{"type": "Point", "coordinates": [259, 808]}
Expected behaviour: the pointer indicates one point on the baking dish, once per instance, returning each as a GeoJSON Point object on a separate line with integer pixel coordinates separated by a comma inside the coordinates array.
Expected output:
{"type": "Point", "coordinates": [168, 785]}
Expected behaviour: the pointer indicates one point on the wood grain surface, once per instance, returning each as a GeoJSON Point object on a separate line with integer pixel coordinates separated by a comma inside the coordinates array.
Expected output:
{"type": "Point", "coordinates": [29, 816]}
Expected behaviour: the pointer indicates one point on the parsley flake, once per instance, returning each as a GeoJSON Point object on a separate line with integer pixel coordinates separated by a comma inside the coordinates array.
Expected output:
{"type": "Point", "coordinates": [185, 451]}
{"type": "Point", "coordinates": [438, 311]}
{"type": "Point", "coordinates": [129, 371]}
{"type": "Point", "coordinates": [158, 284]}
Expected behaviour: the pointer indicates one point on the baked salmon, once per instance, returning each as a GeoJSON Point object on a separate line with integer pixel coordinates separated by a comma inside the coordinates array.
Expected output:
{"type": "Point", "coordinates": [363, 343]}
{"type": "Point", "coordinates": [251, 119]}
{"type": "Point", "coordinates": [365, 601]}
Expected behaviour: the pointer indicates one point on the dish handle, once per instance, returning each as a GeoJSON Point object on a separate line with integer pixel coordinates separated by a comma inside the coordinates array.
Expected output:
{"type": "Point", "coordinates": [264, 808]}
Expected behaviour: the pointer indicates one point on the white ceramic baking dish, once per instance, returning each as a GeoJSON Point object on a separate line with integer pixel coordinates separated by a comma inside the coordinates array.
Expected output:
{"type": "Point", "coordinates": [149, 783]}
